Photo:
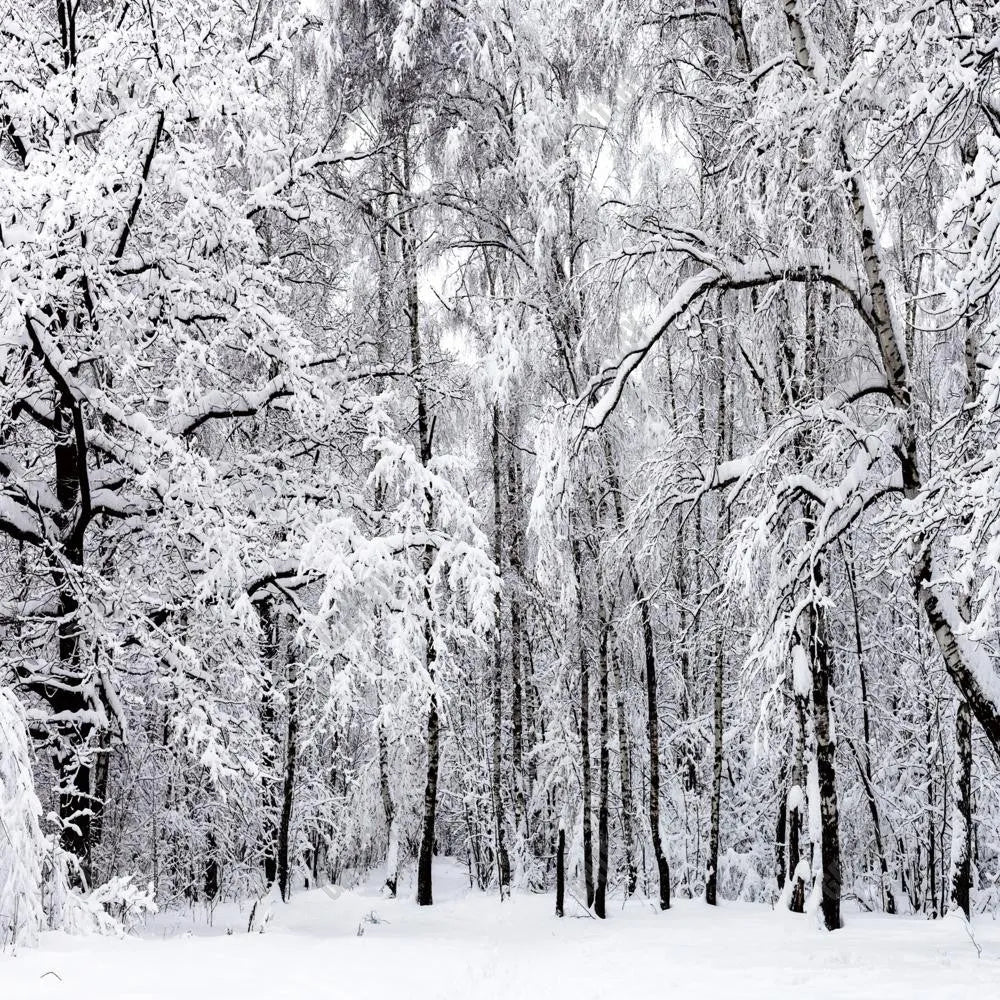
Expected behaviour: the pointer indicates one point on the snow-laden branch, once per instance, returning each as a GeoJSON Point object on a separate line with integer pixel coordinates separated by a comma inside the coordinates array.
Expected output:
{"type": "Point", "coordinates": [264, 195]}
{"type": "Point", "coordinates": [735, 473]}
{"type": "Point", "coordinates": [616, 376]}
{"type": "Point", "coordinates": [220, 405]}
{"type": "Point", "coordinates": [724, 275]}
{"type": "Point", "coordinates": [967, 662]}
{"type": "Point", "coordinates": [17, 521]}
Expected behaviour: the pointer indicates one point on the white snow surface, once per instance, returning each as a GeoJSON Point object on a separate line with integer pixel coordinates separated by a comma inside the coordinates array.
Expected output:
{"type": "Point", "coordinates": [470, 946]}
{"type": "Point", "coordinates": [801, 672]}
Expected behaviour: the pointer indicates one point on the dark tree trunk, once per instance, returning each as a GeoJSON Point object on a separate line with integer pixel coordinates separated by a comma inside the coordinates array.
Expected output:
{"type": "Point", "coordinates": [588, 838]}
{"type": "Point", "coordinates": [826, 768]}
{"type": "Point", "coordinates": [821, 665]}
{"type": "Point", "coordinates": [687, 750]}
{"type": "Point", "coordinates": [516, 659]}
{"type": "Point", "coordinates": [797, 899]}
{"type": "Point", "coordinates": [625, 776]}
{"type": "Point", "coordinates": [73, 769]}
{"type": "Point", "coordinates": [68, 698]}
{"type": "Point", "coordinates": [99, 780]}
{"type": "Point", "coordinates": [517, 722]}
{"type": "Point", "coordinates": [392, 847]}
{"type": "Point", "coordinates": [930, 749]}
{"type": "Point", "coordinates": [865, 764]}
{"type": "Point", "coordinates": [780, 826]}
{"type": "Point", "coordinates": [288, 788]}
{"type": "Point", "coordinates": [503, 862]}
{"type": "Point", "coordinates": [652, 706]}
{"type": "Point", "coordinates": [653, 736]}
{"type": "Point", "coordinates": [425, 896]}
{"type": "Point", "coordinates": [711, 883]}
{"type": "Point", "coordinates": [723, 452]}
{"type": "Point", "coordinates": [269, 828]}
{"type": "Point", "coordinates": [961, 852]}
{"type": "Point", "coordinates": [601, 887]}
{"type": "Point", "coordinates": [560, 871]}
{"type": "Point", "coordinates": [211, 869]}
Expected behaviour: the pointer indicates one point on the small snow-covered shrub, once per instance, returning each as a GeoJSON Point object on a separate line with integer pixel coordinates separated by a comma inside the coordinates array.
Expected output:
{"type": "Point", "coordinates": [22, 845]}
{"type": "Point", "coordinates": [114, 907]}
{"type": "Point", "coordinates": [35, 891]}
{"type": "Point", "coordinates": [119, 904]}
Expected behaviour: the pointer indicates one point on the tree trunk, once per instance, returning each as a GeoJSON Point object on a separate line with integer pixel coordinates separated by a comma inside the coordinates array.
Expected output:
{"type": "Point", "coordinates": [587, 791]}
{"type": "Point", "coordinates": [517, 722]}
{"type": "Point", "coordinates": [653, 737]}
{"type": "Point", "coordinates": [797, 800]}
{"type": "Point", "coordinates": [388, 807]}
{"type": "Point", "coordinates": [269, 652]}
{"type": "Point", "coordinates": [625, 777]}
{"type": "Point", "coordinates": [713, 839]}
{"type": "Point", "coordinates": [503, 862]}
{"type": "Point", "coordinates": [425, 895]}
{"type": "Point", "coordinates": [560, 871]}
{"type": "Point", "coordinates": [825, 766]}
{"type": "Point", "coordinates": [211, 884]}
{"type": "Point", "coordinates": [652, 707]}
{"type": "Point", "coordinates": [723, 453]}
{"type": "Point", "coordinates": [780, 828]}
{"type": "Point", "coordinates": [516, 659]}
{"type": "Point", "coordinates": [687, 753]}
{"type": "Point", "coordinates": [409, 260]}
{"type": "Point", "coordinates": [68, 698]}
{"type": "Point", "coordinates": [288, 789]}
{"type": "Point", "coordinates": [929, 751]}
{"type": "Point", "coordinates": [865, 765]}
{"type": "Point", "coordinates": [601, 888]}
{"type": "Point", "coordinates": [961, 824]}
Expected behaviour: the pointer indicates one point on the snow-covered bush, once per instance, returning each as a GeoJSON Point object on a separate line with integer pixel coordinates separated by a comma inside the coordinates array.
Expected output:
{"type": "Point", "coordinates": [35, 892]}
{"type": "Point", "coordinates": [22, 844]}
{"type": "Point", "coordinates": [113, 908]}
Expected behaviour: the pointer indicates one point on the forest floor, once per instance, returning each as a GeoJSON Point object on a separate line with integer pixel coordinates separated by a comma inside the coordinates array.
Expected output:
{"type": "Point", "coordinates": [469, 946]}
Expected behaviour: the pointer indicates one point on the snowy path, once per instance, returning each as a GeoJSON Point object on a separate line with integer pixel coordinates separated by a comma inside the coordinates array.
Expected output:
{"type": "Point", "coordinates": [470, 947]}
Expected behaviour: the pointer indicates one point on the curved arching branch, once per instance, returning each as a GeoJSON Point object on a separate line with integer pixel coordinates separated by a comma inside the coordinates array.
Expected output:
{"type": "Point", "coordinates": [724, 276]}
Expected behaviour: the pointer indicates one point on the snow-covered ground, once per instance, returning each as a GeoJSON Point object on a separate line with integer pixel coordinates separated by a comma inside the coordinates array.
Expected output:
{"type": "Point", "coordinates": [470, 946]}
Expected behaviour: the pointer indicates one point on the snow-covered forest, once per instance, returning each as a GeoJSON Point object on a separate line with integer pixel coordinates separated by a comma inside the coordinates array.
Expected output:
{"type": "Point", "coordinates": [553, 441]}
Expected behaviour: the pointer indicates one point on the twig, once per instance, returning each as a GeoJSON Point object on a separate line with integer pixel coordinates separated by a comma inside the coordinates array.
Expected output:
{"type": "Point", "coordinates": [975, 944]}
{"type": "Point", "coordinates": [582, 907]}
